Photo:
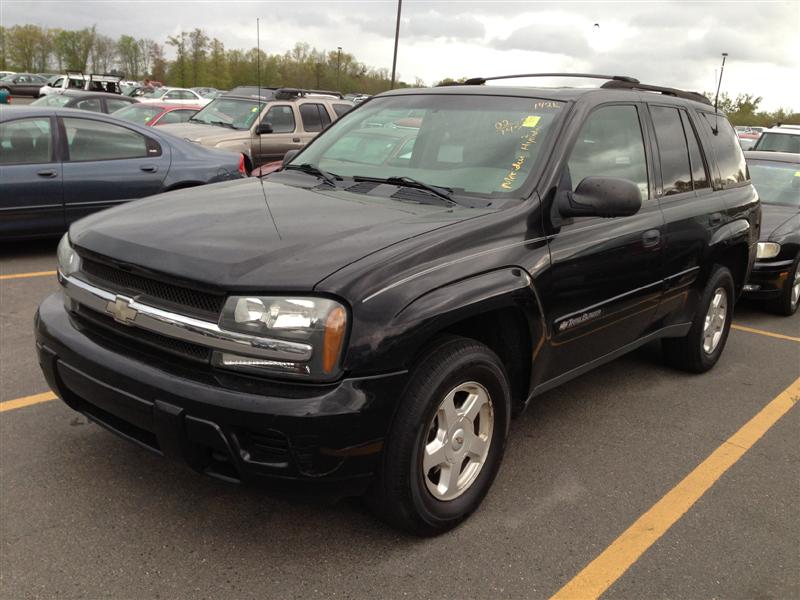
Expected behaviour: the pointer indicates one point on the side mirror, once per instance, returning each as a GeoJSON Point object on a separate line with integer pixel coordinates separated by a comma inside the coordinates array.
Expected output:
{"type": "Point", "coordinates": [287, 158]}
{"type": "Point", "coordinates": [601, 197]}
{"type": "Point", "coordinates": [265, 127]}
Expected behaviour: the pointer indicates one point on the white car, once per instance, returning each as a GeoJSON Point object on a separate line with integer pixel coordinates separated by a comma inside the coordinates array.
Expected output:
{"type": "Point", "coordinates": [781, 138]}
{"type": "Point", "coordinates": [78, 81]}
{"type": "Point", "coordinates": [169, 95]}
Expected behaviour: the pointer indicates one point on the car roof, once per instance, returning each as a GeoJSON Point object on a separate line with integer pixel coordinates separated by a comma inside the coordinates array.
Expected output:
{"type": "Point", "coordinates": [89, 94]}
{"type": "Point", "coordinates": [787, 157]}
{"type": "Point", "coordinates": [564, 94]}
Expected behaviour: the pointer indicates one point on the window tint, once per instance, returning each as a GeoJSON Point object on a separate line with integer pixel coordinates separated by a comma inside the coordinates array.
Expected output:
{"type": "Point", "coordinates": [675, 170]}
{"type": "Point", "coordinates": [314, 116]}
{"type": "Point", "coordinates": [341, 109]}
{"type": "Point", "coordinates": [114, 104]}
{"type": "Point", "coordinates": [281, 118]}
{"type": "Point", "coordinates": [610, 144]}
{"type": "Point", "coordinates": [92, 104]}
{"type": "Point", "coordinates": [727, 151]}
{"type": "Point", "coordinates": [95, 140]}
{"type": "Point", "coordinates": [26, 141]}
{"type": "Point", "coordinates": [699, 173]}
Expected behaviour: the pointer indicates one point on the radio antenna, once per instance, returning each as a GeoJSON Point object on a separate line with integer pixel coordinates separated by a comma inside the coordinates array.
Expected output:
{"type": "Point", "coordinates": [716, 98]}
{"type": "Point", "coordinates": [258, 82]}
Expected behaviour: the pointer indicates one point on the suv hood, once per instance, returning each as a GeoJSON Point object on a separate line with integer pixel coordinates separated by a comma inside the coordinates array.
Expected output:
{"type": "Point", "coordinates": [223, 235]}
{"type": "Point", "coordinates": [208, 135]}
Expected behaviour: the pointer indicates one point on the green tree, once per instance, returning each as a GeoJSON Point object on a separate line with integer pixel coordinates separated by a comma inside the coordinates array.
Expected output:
{"type": "Point", "coordinates": [158, 63]}
{"type": "Point", "coordinates": [22, 42]}
{"type": "Point", "coordinates": [103, 55]}
{"type": "Point", "coordinates": [73, 47]}
{"type": "Point", "coordinates": [130, 56]}
{"type": "Point", "coordinates": [198, 49]}
{"type": "Point", "coordinates": [217, 66]}
{"type": "Point", "coordinates": [178, 70]}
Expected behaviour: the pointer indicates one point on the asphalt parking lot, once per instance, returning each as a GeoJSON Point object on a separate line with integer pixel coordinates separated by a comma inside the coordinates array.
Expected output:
{"type": "Point", "coordinates": [86, 515]}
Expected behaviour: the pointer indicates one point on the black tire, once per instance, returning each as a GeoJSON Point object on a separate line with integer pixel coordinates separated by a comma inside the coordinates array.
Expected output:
{"type": "Point", "coordinates": [784, 305]}
{"type": "Point", "coordinates": [687, 353]}
{"type": "Point", "coordinates": [400, 495]}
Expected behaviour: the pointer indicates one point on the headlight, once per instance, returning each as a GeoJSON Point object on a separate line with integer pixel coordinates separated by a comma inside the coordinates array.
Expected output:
{"type": "Point", "coordinates": [319, 322]}
{"type": "Point", "coordinates": [768, 250]}
{"type": "Point", "coordinates": [68, 260]}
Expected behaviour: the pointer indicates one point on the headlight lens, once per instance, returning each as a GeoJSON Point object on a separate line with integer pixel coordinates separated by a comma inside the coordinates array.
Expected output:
{"type": "Point", "coordinates": [68, 260]}
{"type": "Point", "coordinates": [768, 250]}
{"type": "Point", "coordinates": [319, 322]}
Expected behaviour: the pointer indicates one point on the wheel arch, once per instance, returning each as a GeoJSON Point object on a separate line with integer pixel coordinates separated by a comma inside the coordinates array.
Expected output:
{"type": "Point", "coordinates": [731, 248]}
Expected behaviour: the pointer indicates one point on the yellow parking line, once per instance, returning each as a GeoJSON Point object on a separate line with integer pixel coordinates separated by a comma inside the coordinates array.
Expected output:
{"type": "Point", "coordinates": [767, 333]}
{"type": "Point", "coordinates": [614, 561]}
{"type": "Point", "coordinates": [27, 401]}
{"type": "Point", "coordinates": [27, 275]}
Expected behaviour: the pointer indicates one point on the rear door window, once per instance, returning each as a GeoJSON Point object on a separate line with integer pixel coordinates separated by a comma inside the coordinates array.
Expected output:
{"type": "Point", "coordinates": [96, 140]}
{"type": "Point", "coordinates": [314, 117]}
{"type": "Point", "coordinates": [26, 141]}
{"type": "Point", "coordinates": [699, 172]}
{"type": "Point", "coordinates": [92, 104]}
{"type": "Point", "coordinates": [675, 168]}
{"type": "Point", "coordinates": [727, 151]}
{"type": "Point", "coordinates": [114, 104]}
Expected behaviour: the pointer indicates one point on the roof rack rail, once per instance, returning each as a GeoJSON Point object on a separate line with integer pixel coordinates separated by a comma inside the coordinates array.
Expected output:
{"type": "Point", "coordinates": [627, 85]}
{"type": "Point", "coordinates": [284, 93]}
{"type": "Point", "coordinates": [482, 80]}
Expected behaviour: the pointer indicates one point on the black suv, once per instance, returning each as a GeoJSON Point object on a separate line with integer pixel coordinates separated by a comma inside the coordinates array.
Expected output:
{"type": "Point", "coordinates": [369, 318]}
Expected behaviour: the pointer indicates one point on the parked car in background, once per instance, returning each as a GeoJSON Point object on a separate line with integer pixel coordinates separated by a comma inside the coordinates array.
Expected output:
{"type": "Point", "coordinates": [156, 114]}
{"type": "Point", "coordinates": [263, 124]}
{"type": "Point", "coordinates": [207, 92]}
{"type": "Point", "coordinates": [100, 102]}
{"type": "Point", "coordinates": [6, 74]}
{"type": "Point", "coordinates": [357, 98]}
{"type": "Point", "coordinates": [74, 80]}
{"type": "Point", "coordinates": [776, 273]}
{"type": "Point", "coordinates": [168, 95]}
{"type": "Point", "coordinates": [22, 84]}
{"type": "Point", "coordinates": [748, 135]}
{"type": "Point", "coordinates": [59, 165]}
{"type": "Point", "coordinates": [781, 138]}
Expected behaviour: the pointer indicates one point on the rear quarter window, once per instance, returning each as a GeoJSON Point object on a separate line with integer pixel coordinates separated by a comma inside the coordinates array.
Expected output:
{"type": "Point", "coordinates": [727, 151]}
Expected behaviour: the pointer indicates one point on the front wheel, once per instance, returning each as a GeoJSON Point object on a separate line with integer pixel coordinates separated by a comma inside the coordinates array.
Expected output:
{"type": "Point", "coordinates": [789, 299]}
{"type": "Point", "coordinates": [701, 348]}
{"type": "Point", "coordinates": [447, 441]}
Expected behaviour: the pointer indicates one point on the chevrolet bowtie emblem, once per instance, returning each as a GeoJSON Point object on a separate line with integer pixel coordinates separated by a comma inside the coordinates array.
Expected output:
{"type": "Point", "coordinates": [121, 309]}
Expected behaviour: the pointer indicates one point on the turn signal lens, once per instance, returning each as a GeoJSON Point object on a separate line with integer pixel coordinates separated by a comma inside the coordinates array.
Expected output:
{"type": "Point", "coordinates": [768, 250]}
{"type": "Point", "coordinates": [332, 340]}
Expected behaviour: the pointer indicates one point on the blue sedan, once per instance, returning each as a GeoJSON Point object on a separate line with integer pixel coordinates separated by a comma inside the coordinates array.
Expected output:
{"type": "Point", "coordinates": [58, 165]}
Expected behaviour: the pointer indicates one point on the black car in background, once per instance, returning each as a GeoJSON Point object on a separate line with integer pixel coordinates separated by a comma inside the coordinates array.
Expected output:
{"type": "Point", "coordinates": [776, 273]}
{"type": "Point", "coordinates": [22, 84]}
{"type": "Point", "coordinates": [100, 102]}
{"type": "Point", "coordinates": [59, 165]}
{"type": "Point", "coordinates": [370, 325]}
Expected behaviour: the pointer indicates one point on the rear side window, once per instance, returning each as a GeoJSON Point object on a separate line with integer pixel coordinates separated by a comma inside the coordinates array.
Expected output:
{"type": "Point", "coordinates": [728, 152]}
{"type": "Point", "coordinates": [675, 168]}
{"type": "Point", "coordinates": [26, 141]}
{"type": "Point", "coordinates": [92, 104]}
{"type": "Point", "coordinates": [314, 117]}
{"type": "Point", "coordinates": [699, 173]}
{"type": "Point", "coordinates": [114, 104]}
{"type": "Point", "coordinates": [96, 140]}
{"type": "Point", "coordinates": [610, 144]}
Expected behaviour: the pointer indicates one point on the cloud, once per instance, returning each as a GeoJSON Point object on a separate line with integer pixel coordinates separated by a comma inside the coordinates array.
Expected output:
{"type": "Point", "coordinates": [551, 40]}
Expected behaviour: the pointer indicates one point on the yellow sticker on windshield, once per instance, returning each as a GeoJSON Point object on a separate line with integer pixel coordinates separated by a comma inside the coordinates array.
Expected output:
{"type": "Point", "coordinates": [531, 121]}
{"type": "Point", "coordinates": [254, 109]}
{"type": "Point", "coordinates": [797, 173]}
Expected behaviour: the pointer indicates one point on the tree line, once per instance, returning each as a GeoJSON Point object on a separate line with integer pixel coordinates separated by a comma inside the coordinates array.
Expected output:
{"type": "Point", "coordinates": [199, 60]}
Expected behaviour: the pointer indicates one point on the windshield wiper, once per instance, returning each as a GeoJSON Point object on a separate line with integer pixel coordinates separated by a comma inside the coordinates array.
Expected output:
{"type": "Point", "coordinates": [223, 123]}
{"type": "Point", "coordinates": [329, 178]}
{"type": "Point", "coordinates": [437, 190]}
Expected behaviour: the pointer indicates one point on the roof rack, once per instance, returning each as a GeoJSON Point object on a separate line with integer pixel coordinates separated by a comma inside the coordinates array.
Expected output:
{"type": "Point", "coordinates": [626, 85]}
{"type": "Point", "coordinates": [268, 93]}
{"type": "Point", "coordinates": [482, 80]}
{"type": "Point", "coordinates": [285, 93]}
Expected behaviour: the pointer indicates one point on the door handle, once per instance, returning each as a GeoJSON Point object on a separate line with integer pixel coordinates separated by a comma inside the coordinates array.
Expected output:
{"type": "Point", "coordinates": [296, 140]}
{"type": "Point", "coordinates": [149, 168]}
{"type": "Point", "coordinates": [715, 219]}
{"type": "Point", "coordinates": [651, 238]}
{"type": "Point", "coordinates": [48, 173]}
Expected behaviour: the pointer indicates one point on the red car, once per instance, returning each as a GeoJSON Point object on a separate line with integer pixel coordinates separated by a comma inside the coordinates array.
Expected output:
{"type": "Point", "coordinates": [156, 114]}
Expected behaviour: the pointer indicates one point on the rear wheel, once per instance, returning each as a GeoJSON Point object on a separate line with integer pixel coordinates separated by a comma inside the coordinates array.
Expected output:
{"type": "Point", "coordinates": [447, 441]}
{"type": "Point", "coordinates": [789, 299]}
{"type": "Point", "coordinates": [701, 348]}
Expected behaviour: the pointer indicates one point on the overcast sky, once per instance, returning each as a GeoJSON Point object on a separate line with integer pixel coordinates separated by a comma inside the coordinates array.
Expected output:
{"type": "Point", "coordinates": [668, 43]}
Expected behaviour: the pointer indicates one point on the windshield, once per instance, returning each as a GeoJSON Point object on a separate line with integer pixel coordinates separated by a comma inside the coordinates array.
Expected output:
{"type": "Point", "coordinates": [234, 112]}
{"type": "Point", "coordinates": [779, 142]}
{"type": "Point", "coordinates": [475, 145]}
{"type": "Point", "coordinates": [776, 182]}
{"type": "Point", "coordinates": [138, 113]}
{"type": "Point", "coordinates": [56, 100]}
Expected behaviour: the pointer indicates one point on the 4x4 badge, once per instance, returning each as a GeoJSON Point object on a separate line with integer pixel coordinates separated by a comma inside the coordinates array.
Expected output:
{"type": "Point", "coordinates": [121, 309]}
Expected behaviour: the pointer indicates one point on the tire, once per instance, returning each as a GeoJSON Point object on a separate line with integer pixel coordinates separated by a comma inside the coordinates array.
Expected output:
{"type": "Point", "coordinates": [696, 352]}
{"type": "Point", "coordinates": [786, 304]}
{"type": "Point", "coordinates": [403, 494]}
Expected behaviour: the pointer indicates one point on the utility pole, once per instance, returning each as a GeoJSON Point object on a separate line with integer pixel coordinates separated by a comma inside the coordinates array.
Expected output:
{"type": "Point", "coordinates": [338, 67]}
{"type": "Point", "coordinates": [396, 38]}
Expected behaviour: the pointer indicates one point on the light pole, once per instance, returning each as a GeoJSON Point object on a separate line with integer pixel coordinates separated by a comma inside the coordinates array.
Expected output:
{"type": "Point", "coordinates": [396, 38]}
{"type": "Point", "coordinates": [338, 67]}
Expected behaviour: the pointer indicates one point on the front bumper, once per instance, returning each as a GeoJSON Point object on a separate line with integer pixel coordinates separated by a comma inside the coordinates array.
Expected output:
{"type": "Point", "coordinates": [233, 427]}
{"type": "Point", "coordinates": [767, 279]}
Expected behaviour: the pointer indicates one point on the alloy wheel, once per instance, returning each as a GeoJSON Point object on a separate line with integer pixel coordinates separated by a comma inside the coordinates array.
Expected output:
{"type": "Point", "coordinates": [714, 325]}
